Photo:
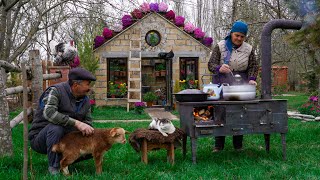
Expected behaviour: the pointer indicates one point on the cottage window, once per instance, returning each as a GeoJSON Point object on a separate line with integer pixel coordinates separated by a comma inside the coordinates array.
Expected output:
{"type": "Point", "coordinates": [153, 38]}
{"type": "Point", "coordinates": [117, 72]}
{"type": "Point", "coordinates": [189, 69]}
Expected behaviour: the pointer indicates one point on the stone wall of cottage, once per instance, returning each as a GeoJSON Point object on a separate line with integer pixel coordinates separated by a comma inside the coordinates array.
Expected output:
{"type": "Point", "coordinates": [173, 38]}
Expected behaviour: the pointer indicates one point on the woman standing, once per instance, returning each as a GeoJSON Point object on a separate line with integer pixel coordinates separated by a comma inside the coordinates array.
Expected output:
{"type": "Point", "coordinates": [233, 56]}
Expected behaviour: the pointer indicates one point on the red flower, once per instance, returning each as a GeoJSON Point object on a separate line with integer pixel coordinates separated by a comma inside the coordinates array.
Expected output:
{"type": "Point", "coordinates": [170, 15]}
{"type": "Point", "coordinates": [107, 33]}
{"type": "Point", "coordinates": [92, 102]}
{"type": "Point", "coordinates": [137, 14]}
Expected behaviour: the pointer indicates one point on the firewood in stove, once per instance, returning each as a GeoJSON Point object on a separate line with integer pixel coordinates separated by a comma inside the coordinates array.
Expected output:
{"type": "Point", "coordinates": [197, 118]}
{"type": "Point", "coordinates": [202, 111]}
{"type": "Point", "coordinates": [207, 113]}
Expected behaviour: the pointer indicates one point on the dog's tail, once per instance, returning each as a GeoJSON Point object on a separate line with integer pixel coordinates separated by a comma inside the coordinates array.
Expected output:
{"type": "Point", "coordinates": [55, 148]}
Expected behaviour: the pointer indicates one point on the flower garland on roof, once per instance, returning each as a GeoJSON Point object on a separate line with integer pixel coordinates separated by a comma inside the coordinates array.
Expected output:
{"type": "Point", "coordinates": [145, 8]}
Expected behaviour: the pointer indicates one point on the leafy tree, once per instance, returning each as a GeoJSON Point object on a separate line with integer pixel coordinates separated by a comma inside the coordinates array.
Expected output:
{"type": "Point", "coordinates": [85, 50]}
{"type": "Point", "coordinates": [309, 36]}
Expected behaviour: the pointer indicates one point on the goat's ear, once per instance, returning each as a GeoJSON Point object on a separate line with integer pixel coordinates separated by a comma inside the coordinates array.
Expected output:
{"type": "Point", "coordinates": [113, 132]}
{"type": "Point", "coordinates": [127, 132]}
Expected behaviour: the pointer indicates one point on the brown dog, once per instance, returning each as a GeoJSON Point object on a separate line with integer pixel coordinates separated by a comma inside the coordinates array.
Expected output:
{"type": "Point", "coordinates": [74, 145]}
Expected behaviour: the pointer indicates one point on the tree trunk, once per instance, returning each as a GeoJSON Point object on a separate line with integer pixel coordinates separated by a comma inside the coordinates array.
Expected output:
{"type": "Point", "coordinates": [37, 80]}
{"type": "Point", "coordinates": [6, 148]}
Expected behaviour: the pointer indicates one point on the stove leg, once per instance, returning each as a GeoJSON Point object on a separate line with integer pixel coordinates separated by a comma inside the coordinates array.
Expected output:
{"type": "Point", "coordinates": [267, 142]}
{"type": "Point", "coordinates": [194, 150]}
{"type": "Point", "coordinates": [184, 146]}
{"type": "Point", "coordinates": [284, 146]}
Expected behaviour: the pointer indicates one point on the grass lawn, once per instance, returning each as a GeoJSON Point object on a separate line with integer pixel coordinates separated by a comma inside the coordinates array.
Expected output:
{"type": "Point", "coordinates": [116, 113]}
{"type": "Point", "coordinates": [294, 101]}
{"type": "Point", "coordinates": [122, 162]}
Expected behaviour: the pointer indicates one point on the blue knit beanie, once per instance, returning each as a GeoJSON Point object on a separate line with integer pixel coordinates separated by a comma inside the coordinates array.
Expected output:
{"type": "Point", "coordinates": [239, 26]}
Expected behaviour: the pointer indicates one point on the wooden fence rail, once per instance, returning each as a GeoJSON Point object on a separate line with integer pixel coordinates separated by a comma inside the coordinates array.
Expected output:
{"type": "Point", "coordinates": [32, 84]}
{"type": "Point", "coordinates": [34, 88]}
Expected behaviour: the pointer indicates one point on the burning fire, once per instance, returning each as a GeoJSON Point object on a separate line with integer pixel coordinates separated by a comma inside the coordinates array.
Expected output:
{"type": "Point", "coordinates": [202, 114]}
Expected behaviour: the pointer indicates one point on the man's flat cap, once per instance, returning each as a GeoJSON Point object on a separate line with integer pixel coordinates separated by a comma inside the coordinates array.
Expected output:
{"type": "Point", "coordinates": [81, 74]}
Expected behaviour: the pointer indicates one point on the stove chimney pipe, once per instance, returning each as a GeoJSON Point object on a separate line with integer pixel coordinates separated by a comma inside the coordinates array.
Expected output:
{"type": "Point", "coordinates": [266, 51]}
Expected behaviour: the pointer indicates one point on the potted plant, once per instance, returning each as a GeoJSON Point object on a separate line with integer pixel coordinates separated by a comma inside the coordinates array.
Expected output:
{"type": "Point", "coordinates": [139, 107]}
{"type": "Point", "coordinates": [122, 89]}
{"type": "Point", "coordinates": [158, 68]}
{"type": "Point", "coordinates": [149, 97]}
{"type": "Point", "coordinates": [112, 89]}
{"type": "Point", "coordinates": [162, 70]}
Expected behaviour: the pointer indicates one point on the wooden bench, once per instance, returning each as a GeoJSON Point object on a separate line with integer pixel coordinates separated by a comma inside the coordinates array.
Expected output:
{"type": "Point", "coordinates": [146, 140]}
{"type": "Point", "coordinates": [149, 146]}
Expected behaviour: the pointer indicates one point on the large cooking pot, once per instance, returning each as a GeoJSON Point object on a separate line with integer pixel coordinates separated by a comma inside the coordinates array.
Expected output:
{"type": "Point", "coordinates": [238, 92]}
{"type": "Point", "coordinates": [191, 95]}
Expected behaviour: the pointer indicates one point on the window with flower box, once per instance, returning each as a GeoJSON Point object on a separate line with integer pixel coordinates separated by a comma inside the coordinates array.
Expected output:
{"type": "Point", "coordinates": [117, 77]}
{"type": "Point", "coordinates": [189, 73]}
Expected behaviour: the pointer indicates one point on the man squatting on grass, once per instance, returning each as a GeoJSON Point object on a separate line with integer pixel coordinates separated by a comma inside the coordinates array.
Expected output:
{"type": "Point", "coordinates": [63, 107]}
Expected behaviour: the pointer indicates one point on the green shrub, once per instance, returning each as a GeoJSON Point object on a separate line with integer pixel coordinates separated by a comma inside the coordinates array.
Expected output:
{"type": "Point", "coordinates": [279, 89]}
{"type": "Point", "coordinates": [311, 107]}
{"type": "Point", "coordinates": [150, 96]}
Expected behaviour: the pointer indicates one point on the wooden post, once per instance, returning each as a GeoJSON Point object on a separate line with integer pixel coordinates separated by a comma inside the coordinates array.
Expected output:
{"type": "Point", "coordinates": [37, 80]}
{"type": "Point", "coordinates": [144, 151]}
{"type": "Point", "coordinates": [25, 122]}
{"type": "Point", "coordinates": [170, 153]}
{"type": "Point", "coordinates": [6, 147]}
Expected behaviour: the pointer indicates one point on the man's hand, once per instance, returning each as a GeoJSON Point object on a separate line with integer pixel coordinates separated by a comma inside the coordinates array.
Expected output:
{"type": "Point", "coordinates": [84, 128]}
{"type": "Point", "coordinates": [252, 82]}
{"type": "Point", "coordinates": [225, 68]}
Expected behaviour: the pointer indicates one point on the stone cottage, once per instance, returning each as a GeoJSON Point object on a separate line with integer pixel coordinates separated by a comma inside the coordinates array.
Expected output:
{"type": "Point", "coordinates": [131, 58]}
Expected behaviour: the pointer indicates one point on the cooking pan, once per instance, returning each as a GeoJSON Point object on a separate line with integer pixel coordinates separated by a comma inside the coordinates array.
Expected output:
{"type": "Point", "coordinates": [191, 95]}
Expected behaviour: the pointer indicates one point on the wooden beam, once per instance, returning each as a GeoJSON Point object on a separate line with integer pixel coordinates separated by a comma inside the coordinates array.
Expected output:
{"type": "Point", "coordinates": [15, 90]}
{"type": "Point", "coordinates": [52, 76]}
{"type": "Point", "coordinates": [9, 67]}
{"type": "Point", "coordinates": [15, 121]}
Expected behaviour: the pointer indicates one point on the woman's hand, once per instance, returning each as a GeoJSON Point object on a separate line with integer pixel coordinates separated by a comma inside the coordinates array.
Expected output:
{"type": "Point", "coordinates": [225, 68]}
{"type": "Point", "coordinates": [252, 82]}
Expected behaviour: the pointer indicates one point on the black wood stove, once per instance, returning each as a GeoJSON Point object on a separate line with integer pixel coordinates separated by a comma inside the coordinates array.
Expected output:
{"type": "Point", "coordinates": [226, 118]}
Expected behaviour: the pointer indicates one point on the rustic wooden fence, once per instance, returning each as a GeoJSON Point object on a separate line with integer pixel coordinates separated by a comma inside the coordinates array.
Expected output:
{"type": "Point", "coordinates": [32, 78]}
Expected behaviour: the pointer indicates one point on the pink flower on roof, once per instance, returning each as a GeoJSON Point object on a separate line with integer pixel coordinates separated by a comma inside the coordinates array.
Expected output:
{"type": "Point", "coordinates": [98, 41]}
{"type": "Point", "coordinates": [189, 27]}
{"type": "Point", "coordinates": [207, 41]}
{"type": "Point", "coordinates": [198, 33]}
{"type": "Point", "coordinates": [137, 14]}
{"type": "Point", "coordinates": [107, 33]}
{"type": "Point", "coordinates": [117, 28]}
{"type": "Point", "coordinates": [126, 21]}
{"type": "Point", "coordinates": [145, 7]}
{"type": "Point", "coordinates": [154, 7]}
{"type": "Point", "coordinates": [179, 21]}
{"type": "Point", "coordinates": [163, 7]}
{"type": "Point", "coordinates": [170, 15]}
